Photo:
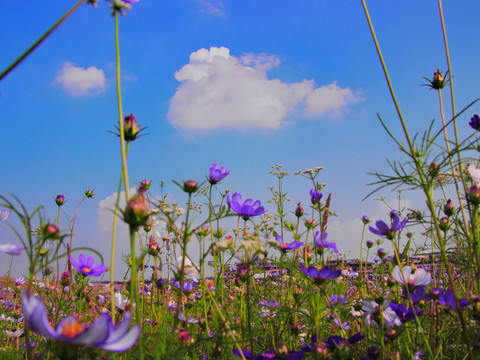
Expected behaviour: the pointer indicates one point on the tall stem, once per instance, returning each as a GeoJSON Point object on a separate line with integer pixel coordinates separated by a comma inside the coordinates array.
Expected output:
{"type": "Point", "coordinates": [120, 113]}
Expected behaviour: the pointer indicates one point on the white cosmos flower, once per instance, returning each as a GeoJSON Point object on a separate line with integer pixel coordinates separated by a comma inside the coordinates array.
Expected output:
{"type": "Point", "coordinates": [474, 173]}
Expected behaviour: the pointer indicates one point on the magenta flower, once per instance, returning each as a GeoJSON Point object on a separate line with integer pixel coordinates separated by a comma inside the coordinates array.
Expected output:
{"type": "Point", "coordinates": [287, 246]}
{"type": "Point", "coordinates": [319, 276]}
{"type": "Point", "coordinates": [382, 229]}
{"type": "Point", "coordinates": [246, 209]}
{"type": "Point", "coordinates": [217, 174]}
{"type": "Point", "coordinates": [86, 266]}
{"type": "Point", "coordinates": [100, 334]}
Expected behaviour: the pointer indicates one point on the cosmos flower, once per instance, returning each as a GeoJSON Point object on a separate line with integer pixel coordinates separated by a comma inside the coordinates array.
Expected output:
{"type": "Point", "coordinates": [86, 266]}
{"type": "Point", "coordinates": [475, 122]}
{"type": "Point", "coordinates": [474, 173]}
{"type": "Point", "coordinates": [287, 246]}
{"type": "Point", "coordinates": [270, 355]}
{"type": "Point", "coordinates": [321, 243]}
{"type": "Point", "coordinates": [405, 314]}
{"type": "Point", "coordinates": [315, 196]}
{"type": "Point", "coordinates": [100, 334]}
{"type": "Point", "coordinates": [217, 174]}
{"type": "Point", "coordinates": [371, 310]}
{"type": "Point", "coordinates": [382, 229]}
{"type": "Point", "coordinates": [246, 209]}
{"type": "Point", "coordinates": [11, 249]}
{"type": "Point", "coordinates": [320, 275]}
{"type": "Point", "coordinates": [447, 299]}
{"type": "Point", "coordinates": [405, 277]}
{"type": "Point", "coordinates": [4, 214]}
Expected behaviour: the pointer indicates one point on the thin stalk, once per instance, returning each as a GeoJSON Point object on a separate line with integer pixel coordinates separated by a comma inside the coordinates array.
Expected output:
{"type": "Point", "coordinates": [67, 265]}
{"type": "Point", "coordinates": [112, 256]}
{"type": "Point", "coordinates": [133, 287]}
{"type": "Point", "coordinates": [40, 40]}
{"type": "Point", "coordinates": [58, 245]}
{"type": "Point", "coordinates": [120, 113]}
{"type": "Point", "coordinates": [452, 96]}
{"type": "Point", "coordinates": [454, 173]}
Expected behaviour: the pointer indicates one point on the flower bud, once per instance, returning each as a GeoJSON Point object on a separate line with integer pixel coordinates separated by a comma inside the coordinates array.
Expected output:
{"type": "Point", "coordinates": [365, 219]}
{"type": "Point", "coordinates": [60, 200]}
{"type": "Point", "coordinates": [474, 194]}
{"type": "Point", "coordinates": [379, 241]}
{"type": "Point", "coordinates": [136, 212]}
{"type": "Point", "coordinates": [190, 186]}
{"type": "Point", "coordinates": [50, 231]}
{"type": "Point", "coordinates": [438, 82]}
{"type": "Point", "coordinates": [433, 169]}
{"type": "Point", "coordinates": [130, 128]}
{"type": "Point", "coordinates": [309, 224]}
{"type": "Point", "coordinates": [449, 208]}
{"type": "Point", "coordinates": [145, 184]}
{"type": "Point", "coordinates": [369, 244]}
{"type": "Point", "coordinates": [299, 210]}
{"type": "Point", "coordinates": [65, 279]}
{"type": "Point", "coordinates": [444, 224]}
{"type": "Point", "coordinates": [204, 231]}
{"type": "Point", "coordinates": [153, 248]}
{"type": "Point", "coordinates": [381, 253]}
{"type": "Point", "coordinates": [89, 193]}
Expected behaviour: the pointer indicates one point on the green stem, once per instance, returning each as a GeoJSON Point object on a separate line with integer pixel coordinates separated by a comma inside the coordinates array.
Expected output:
{"type": "Point", "coordinates": [133, 287]}
{"type": "Point", "coordinates": [40, 40]}
{"type": "Point", "coordinates": [120, 112]}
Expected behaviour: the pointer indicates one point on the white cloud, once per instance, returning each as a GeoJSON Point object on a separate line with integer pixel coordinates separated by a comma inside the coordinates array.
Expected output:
{"type": "Point", "coordinates": [78, 81]}
{"type": "Point", "coordinates": [212, 7]}
{"type": "Point", "coordinates": [219, 90]}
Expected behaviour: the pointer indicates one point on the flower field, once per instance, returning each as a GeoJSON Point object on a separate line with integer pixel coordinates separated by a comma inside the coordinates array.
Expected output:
{"type": "Point", "coordinates": [267, 282]}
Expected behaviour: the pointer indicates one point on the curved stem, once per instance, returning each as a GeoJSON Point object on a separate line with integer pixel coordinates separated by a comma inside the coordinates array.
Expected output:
{"type": "Point", "coordinates": [40, 40]}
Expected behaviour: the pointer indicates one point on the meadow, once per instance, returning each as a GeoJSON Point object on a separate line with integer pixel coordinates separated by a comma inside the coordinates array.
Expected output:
{"type": "Point", "coordinates": [273, 285]}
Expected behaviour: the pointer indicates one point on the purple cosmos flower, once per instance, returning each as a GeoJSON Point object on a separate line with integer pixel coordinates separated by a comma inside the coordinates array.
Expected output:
{"type": "Point", "coordinates": [447, 299]}
{"type": "Point", "coordinates": [11, 249]}
{"type": "Point", "coordinates": [287, 246]}
{"type": "Point", "coordinates": [321, 244]}
{"type": "Point", "coordinates": [86, 266]}
{"type": "Point", "coordinates": [217, 174]}
{"type": "Point", "coordinates": [475, 122]}
{"type": "Point", "coordinates": [320, 275]}
{"type": "Point", "coordinates": [371, 310]}
{"type": "Point", "coordinates": [131, 1]}
{"type": "Point", "coordinates": [405, 314]}
{"type": "Point", "coordinates": [315, 196]}
{"type": "Point", "coordinates": [419, 294]}
{"type": "Point", "coordinates": [382, 229]}
{"type": "Point", "coordinates": [246, 209]}
{"type": "Point", "coordinates": [419, 278]}
{"type": "Point", "coordinates": [100, 334]}
{"type": "Point", "coordinates": [270, 303]}
{"type": "Point", "coordinates": [4, 214]}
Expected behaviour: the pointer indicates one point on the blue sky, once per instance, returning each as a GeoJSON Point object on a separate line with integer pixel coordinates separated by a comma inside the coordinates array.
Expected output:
{"type": "Point", "coordinates": [244, 84]}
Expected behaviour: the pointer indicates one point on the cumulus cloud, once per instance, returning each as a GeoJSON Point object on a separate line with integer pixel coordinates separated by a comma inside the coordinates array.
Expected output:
{"type": "Point", "coordinates": [219, 90]}
{"type": "Point", "coordinates": [105, 209]}
{"type": "Point", "coordinates": [78, 81]}
{"type": "Point", "coordinates": [212, 7]}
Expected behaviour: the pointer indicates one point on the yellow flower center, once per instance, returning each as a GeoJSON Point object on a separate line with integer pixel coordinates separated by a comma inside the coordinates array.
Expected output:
{"type": "Point", "coordinates": [87, 270]}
